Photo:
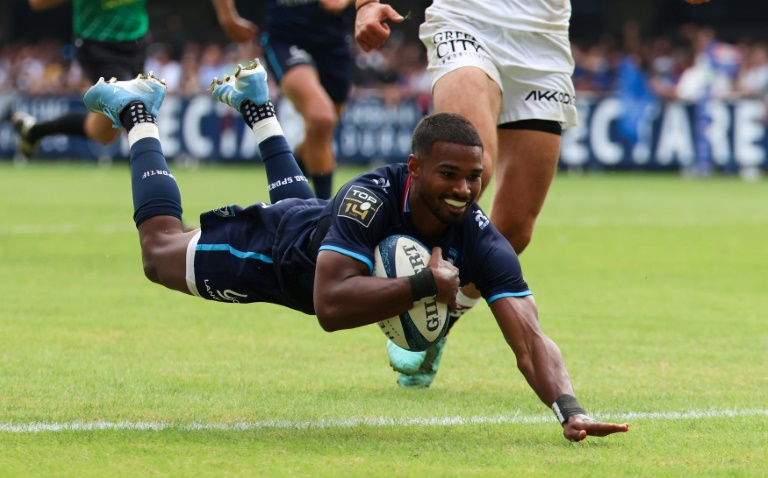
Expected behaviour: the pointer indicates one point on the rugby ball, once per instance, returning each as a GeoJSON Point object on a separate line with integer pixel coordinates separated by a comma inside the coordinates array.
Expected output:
{"type": "Point", "coordinates": [427, 321]}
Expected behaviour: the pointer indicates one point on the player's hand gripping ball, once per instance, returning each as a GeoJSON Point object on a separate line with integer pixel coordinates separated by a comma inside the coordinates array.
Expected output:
{"type": "Point", "coordinates": [427, 321]}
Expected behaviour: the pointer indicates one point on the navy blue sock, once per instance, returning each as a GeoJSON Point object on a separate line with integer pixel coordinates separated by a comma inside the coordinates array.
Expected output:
{"type": "Point", "coordinates": [155, 192]}
{"type": "Point", "coordinates": [323, 184]}
{"type": "Point", "coordinates": [283, 174]}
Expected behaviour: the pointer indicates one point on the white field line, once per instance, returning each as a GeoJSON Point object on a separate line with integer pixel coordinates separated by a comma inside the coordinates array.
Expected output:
{"type": "Point", "coordinates": [78, 426]}
{"type": "Point", "coordinates": [651, 221]}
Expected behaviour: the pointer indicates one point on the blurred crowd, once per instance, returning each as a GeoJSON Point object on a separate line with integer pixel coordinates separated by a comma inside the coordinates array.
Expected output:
{"type": "Point", "coordinates": [687, 64]}
{"type": "Point", "coordinates": [49, 68]}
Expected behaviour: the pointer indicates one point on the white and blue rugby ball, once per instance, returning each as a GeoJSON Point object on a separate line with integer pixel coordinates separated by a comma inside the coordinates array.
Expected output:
{"type": "Point", "coordinates": [427, 321]}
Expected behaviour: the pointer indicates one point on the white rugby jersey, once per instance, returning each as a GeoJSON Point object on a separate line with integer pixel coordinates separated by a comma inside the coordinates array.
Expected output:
{"type": "Point", "coordinates": [547, 16]}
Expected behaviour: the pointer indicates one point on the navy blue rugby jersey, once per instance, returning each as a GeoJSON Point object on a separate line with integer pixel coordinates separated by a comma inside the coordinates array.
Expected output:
{"type": "Point", "coordinates": [304, 22]}
{"type": "Point", "coordinates": [375, 205]}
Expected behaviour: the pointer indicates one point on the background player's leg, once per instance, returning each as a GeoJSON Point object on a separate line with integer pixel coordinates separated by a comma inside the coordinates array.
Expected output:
{"type": "Point", "coordinates": [525, 168]}
{"type": "Point", "coordinates": [301, 84]}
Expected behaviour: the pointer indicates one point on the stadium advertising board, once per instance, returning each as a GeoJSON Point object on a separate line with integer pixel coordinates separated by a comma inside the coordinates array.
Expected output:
{"type": "Point", "coordinates": [658, 136]}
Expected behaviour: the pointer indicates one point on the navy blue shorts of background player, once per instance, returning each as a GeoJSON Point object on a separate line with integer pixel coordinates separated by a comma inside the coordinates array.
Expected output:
{"type": "Point", "coordinates": [333, 63]}
{"type": "Point", "coordinates": [302, 33]}
{"type": "Point", "coordinates": [121, 60]}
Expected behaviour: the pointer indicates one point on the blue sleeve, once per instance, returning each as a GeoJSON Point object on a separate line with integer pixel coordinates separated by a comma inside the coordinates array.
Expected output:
{"type": "Point", "coordinates": [496, 270]}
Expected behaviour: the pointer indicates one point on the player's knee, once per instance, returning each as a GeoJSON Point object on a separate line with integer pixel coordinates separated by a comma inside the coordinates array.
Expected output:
{"type": "Point", "coordinates": [105, 137]}
{"type": "Point", "coordinates": [151, 258]}
{"type": "Point", "coordinates": [151, 270]}
{"type": "Point", "coordinates": [321, 123]}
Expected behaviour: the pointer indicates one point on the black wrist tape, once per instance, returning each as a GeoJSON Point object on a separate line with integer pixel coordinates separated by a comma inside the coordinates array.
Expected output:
{"type": "Point", "coordinates": [566, 406]}
{"type": "Point", "coordinates": [423, 285]}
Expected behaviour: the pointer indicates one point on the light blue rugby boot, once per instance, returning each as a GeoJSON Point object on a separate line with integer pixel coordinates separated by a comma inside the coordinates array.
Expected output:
{"type": "Point", "coordinates": [425, 374]}
{"type": "Point", "coordinates": [248, 83]}
{"type": "Point", "coordinates": [404, 361]}
{"type": "Point", "coordinates": [112, 97]}
{"type": "Point", "coordinates": [418, 369]}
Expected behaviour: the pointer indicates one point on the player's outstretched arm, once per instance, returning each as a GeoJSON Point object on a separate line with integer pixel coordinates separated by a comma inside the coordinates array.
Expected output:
{"type": "Point", "coordinates": [371, 31]}
{"type": "Point", "coordinates": [540, 361]}
{"type": "Point", "coordinates": [237, 28]}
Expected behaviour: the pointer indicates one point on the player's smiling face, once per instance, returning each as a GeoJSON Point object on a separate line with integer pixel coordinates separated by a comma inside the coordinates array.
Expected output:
{"type": "Point", "coordinates": [445, 184]}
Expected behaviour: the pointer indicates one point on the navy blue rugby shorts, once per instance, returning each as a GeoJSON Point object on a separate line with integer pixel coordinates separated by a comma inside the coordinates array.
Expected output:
{"type": "Point", "coordinates": [230, 259]}
{"type": "Point", "coordinates": [332, 62]}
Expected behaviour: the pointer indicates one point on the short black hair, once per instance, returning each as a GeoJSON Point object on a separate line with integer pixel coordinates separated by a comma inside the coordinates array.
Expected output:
{"type": "Point", "coordinates": [448, 127]}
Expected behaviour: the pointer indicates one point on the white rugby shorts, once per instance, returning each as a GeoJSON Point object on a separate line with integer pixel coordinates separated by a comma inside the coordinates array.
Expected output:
{"type": "Point", "coordinates": [532, 69]}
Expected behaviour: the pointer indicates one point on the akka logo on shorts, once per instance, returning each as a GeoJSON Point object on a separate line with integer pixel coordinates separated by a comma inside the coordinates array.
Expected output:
{"type": "Point", "coordinates": [547, 95]}
{"type": "Point", "coordinates": [360, 204]}
{"type": "Point", "coordinates": [453, 44]}
{"type": "Point", "coordinates": [224, 211]}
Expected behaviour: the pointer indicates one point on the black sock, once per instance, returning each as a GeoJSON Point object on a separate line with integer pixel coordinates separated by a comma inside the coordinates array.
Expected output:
{"type": "Point", "coordinates": [72, 124]}
{"type": "Point", "coordinates": [134, 114]}
{"type": "Point", "coordinates": [323, 184]}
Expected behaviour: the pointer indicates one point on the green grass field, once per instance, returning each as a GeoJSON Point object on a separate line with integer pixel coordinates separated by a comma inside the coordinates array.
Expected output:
{"type": "Point", "coordinates": [654, 287]}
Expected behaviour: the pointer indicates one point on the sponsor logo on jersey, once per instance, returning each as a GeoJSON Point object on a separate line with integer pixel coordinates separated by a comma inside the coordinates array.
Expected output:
{"type": "Point", "coordinates": [450, 45]}
{"type": "Point", "coordinates": [383, 182]}
{"type": "Point", "coordinates": [548, 95]}
{"type": "Point", "coordinates": [481, 219]}
{"type": "Point", "coordinates": [224, 211]}
{"type": "Point", "coordinates": [360, 204]}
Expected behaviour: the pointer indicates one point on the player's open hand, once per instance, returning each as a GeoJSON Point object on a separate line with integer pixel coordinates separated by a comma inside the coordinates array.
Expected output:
{"type": "Point", "coordinates": [239, 29]}
{"type": "Point", "coordinates": [370, 30]}
{"type": "Point", "coordinates": [446, 278]}
{"type": "Point", "coordinates": [579, 427]}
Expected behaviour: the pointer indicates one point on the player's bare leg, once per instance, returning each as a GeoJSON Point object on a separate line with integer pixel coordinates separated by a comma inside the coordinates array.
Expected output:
{"type": "Point", "coordinates": [301, 84]}
{"type": "Point", "coordinates": [525, 168]}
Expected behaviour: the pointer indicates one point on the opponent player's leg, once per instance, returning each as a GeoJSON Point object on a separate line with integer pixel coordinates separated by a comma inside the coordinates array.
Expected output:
{"type": "Point", "coordinates": [301, 84]}
{"type": "Point", "coordinates": [89, 125]}
{"type": "Point", "coordinates": [247, 91]}
{"type": "Point", "coordinates": [134, 105]}
{"type": "Point", "coordinates": [470, 92]}
{"type": "Point", "coordinates": [525, 168]}
{"type": "Point", "coordinates": [481, 107]}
